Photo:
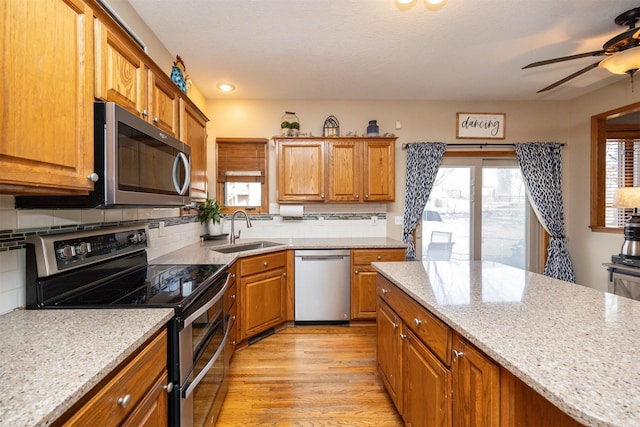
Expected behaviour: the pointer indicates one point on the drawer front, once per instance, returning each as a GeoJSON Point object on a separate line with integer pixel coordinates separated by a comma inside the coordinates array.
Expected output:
{"type": "Point", "coordinates": [367, 256]}
{"type": "Point", "coordinates": [134, 380]}
{"type": "Point", "coordinates": [261, 263]}
{"type": "Point", "coordinates": [435, 334]}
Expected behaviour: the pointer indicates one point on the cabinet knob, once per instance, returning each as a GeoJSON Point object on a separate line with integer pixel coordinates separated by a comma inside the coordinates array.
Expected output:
{"type": "Point", "coordinates": [284, 274]}
{"type": "Point", "coordinates": [366, 196]}
{"type": "Point", "coordinates": [417, 322]}
{"type": "Point", "coordinates": [356, 272]}
{"type": "Point", "coordinates": [395, 325]}
{"type": "Point", "coordinates": [457, 354]}
{"type": "Point", "coordinates": [233, 342]}
{"type": "Point", "coordinates": [124, 401]}
{"type": "Point", "coordinates": [384, 291]}
{"type": "Point", "coordinates": [233, 276]}
{"type": "Point", "coordinates": [265, 263]}
{"type": "Point", "coordinates": [168, 387]}
{"type": "Point", "coordinates": [357, 196]}
{"type": "Point", "coordinates": [232, 296]}
{"type": "Point", "coordinates": [93, 177]}
{"type": "Point", "coordinates": [322, 196]}
{"type": "Point", "coordinates": [145, 113]}
{"type": "Point", "coordinates": [156, 120]}
{"type": "Point", "coordinates": [233, 317]}
{"type": "Point", "coordinates": [403, 336]}
{"type": "Point", "coordinates": [379, 257]}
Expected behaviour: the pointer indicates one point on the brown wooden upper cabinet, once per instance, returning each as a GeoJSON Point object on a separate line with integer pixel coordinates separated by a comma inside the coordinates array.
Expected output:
{"type": "Point", "coordinates": [193, 131]}
{"type": "Point", "coordinates": [46, 146]}
{"type": "Point", "coordinates": [334, 170]}
{"type": "Point", "coordinates": [125, 77]}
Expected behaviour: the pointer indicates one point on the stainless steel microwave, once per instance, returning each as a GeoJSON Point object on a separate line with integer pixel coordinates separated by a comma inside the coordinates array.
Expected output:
{"type": "Point", "coordinates": [136, 164]}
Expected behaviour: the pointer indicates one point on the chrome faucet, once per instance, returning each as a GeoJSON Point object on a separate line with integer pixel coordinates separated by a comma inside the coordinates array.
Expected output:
{"type": "Point", "coordinates": [232, 235]}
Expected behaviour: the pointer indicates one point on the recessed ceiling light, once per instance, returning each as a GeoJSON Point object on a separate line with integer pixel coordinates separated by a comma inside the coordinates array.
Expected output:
{"type": "Point", "coordinates": [405, 1]}
{"type": "Point", "coordinates": [226, 87]}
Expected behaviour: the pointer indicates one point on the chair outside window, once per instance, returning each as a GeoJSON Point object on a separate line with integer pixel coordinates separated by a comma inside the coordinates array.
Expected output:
{"type": "Point", "coordinates": [440, 246]}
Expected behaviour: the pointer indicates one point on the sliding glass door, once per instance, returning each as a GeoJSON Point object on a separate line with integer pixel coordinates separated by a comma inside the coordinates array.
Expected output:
{"type": "Point", "coordinates": [478, 210]}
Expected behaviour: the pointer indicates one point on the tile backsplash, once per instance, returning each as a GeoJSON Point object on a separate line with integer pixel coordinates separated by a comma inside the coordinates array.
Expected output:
{"type": "Point", "coordinates": [168, 231]}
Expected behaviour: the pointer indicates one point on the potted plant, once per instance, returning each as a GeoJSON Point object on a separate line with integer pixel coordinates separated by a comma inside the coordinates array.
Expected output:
{"type": "Point", "coordinates": [284, 127]}
{"type": "Point", "coordinates": [294, 128]}
{"type": "Point", "coordinates": [209, 215]}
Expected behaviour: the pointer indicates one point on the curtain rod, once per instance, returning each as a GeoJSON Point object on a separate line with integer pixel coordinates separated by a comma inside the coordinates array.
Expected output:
{"type": "Point", "coordinates": [479, 144]}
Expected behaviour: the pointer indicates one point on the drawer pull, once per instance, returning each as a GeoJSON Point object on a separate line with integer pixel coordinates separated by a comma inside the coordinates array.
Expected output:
{"type": "Point", "coordinates": [384, 291]}
{"type": "Point", "coordinates": [265, 263]}
{"type": "Point", "coordinates": [402, 336]}
{"type": "Point", "coordinates": [124, 401]}
{"type": "Point", "coordinates": [417, 322]}
{"type": "Point", "coordinates": [168, 387]}
{"type": "Point", "coordinates": [457, 354]}
{"type": "Point", "coordinates": [395, 325]}
{"type": "Point", "coordinates": [379, 257]}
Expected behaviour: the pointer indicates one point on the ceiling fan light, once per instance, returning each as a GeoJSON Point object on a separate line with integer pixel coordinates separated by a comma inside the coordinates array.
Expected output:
{"type": "Point", "coordinates": [434, 2]}
{"type": "Point", "coordinates": [622, 62]}
{"type": "Point", "coordinates": [226, 87]}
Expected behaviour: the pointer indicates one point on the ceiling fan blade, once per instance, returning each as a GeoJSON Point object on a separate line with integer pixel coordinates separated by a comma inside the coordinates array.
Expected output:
{"type": "Point", "coordinates": [565, 58]}
{"type": "Point", "coordinates": [572, 76]}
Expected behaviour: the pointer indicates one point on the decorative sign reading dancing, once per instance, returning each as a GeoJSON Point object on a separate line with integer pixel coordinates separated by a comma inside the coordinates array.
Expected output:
{"type": "Point", "coordinates": [480, 126]}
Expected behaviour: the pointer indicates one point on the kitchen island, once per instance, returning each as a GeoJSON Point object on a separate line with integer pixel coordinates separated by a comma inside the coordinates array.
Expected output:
{"type": "Point", "coordinates": [52, 358]}
{"type": "Point", "coordinates": [575, 346]}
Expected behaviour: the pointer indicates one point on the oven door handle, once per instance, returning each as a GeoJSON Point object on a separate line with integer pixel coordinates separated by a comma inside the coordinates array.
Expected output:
{"type": "Point", "coordinates": [188, 388]}
{"type": "Point", "coordinates": [189, 320]}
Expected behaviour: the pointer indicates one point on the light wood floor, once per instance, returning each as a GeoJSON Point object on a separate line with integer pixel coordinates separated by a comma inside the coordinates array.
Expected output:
{"type": "Point", "coordinates": [309, 375]}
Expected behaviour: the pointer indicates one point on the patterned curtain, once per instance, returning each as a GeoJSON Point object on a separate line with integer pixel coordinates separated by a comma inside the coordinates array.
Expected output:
{"type": "Point", "coordinates": [423, 161]}
{"type": "Point", "coordinates": [541, 165]}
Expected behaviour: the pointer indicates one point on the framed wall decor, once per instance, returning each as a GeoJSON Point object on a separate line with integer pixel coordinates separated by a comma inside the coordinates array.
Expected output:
{"type": "Point", "coordinates": [480, 125]}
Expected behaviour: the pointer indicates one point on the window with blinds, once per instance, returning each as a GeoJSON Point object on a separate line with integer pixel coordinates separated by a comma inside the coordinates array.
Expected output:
{"type": "Point", "coordinates": [241, 165]}
{"type": "Point", "coordinates": [622, 169]}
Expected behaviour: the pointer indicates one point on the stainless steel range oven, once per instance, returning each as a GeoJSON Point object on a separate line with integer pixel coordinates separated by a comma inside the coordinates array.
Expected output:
{"type": "Point", "coordinates": [107, 268]}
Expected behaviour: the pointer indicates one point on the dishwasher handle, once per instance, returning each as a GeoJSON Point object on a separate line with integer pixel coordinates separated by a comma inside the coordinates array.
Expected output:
{"type": "Point", "coordinates": [321, 257]}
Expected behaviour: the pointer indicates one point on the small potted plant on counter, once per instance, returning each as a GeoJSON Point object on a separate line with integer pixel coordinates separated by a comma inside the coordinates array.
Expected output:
{"type": "Point", "coordinates": [209, 215]}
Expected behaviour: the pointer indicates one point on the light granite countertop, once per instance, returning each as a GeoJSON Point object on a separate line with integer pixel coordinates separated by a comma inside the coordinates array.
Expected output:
{"type": "Point", "coordinates": [576, 346]}
{"type": "Point", "coordinates": [205, 251]}
{"type": "Point", "coordinates": [51, 358]}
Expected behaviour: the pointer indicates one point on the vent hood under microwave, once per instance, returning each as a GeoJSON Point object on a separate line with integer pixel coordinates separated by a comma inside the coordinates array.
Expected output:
{"type": "Point", "coordinates": [136, 165]}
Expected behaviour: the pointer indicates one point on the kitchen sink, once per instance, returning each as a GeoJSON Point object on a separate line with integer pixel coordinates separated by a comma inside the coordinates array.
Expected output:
{"type": "Point", "coordinates": [249, 246]}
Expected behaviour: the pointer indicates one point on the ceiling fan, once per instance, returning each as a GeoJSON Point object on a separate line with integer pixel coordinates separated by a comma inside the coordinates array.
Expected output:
{"type": "Point", "coordinates": [612, 50]}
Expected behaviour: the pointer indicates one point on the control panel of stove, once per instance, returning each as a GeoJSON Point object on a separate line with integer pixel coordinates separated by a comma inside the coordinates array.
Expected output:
{"type": "Point", "coordinates": [58, 252]}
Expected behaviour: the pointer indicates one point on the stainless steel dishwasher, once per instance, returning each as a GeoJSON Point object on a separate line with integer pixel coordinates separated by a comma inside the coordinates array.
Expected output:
{"type": "Point", "coordinates": [322, 286]}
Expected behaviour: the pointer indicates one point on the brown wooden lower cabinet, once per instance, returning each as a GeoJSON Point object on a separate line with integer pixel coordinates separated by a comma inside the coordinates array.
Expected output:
{"type": "Point", "coordinates": [134, 395]}
{"type": "Point", "coordinates": [437, 378]}
{"type": "Point", "coordinates": [263, 290]}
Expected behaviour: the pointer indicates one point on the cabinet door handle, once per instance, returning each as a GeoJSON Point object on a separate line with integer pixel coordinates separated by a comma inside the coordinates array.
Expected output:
{"type": "Point", "coordinates": [366, 196]}
{"type": "Point", "coordinates": [402, 336]}
{"type": "Point", "coordinates": [457, 354]}
{"type": "Point", "coordinates": [93, 177]}
{"type": "Point", "coordinates": [145, 113]}
{"type": "Point", "coordinates": [124, 401]}
{"type": "Point", "coordinates": [356, 272]}
{"type": "Point", "coordinates": [168, 387]}
{"type": "Point", "coordinates": [232, 296]}
{"type": "Point", "coordinates": [357, 196]}
{"type": "Point", "coordinates": [395, 325]}
{"type": "Point", "coordinates": [417, 321]}
{"type": "Point", "coordinates": [284, 274]}
{"type": "Point", "coordinates": [233, 318]}
{"type": "Point", "coordinates": [156, 120]}
{"type": "Point", "coordinates": [384, 291]}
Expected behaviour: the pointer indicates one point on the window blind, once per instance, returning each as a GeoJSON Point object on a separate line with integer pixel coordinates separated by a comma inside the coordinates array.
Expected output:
{"type": "Point", "coordinates": [622, 169]}
{"type": "Point", "coordinates": [241, 160]}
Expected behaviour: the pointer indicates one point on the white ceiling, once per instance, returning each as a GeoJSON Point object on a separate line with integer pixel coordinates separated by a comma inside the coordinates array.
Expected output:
{"type": "Point", "coordinates": [378, 49]}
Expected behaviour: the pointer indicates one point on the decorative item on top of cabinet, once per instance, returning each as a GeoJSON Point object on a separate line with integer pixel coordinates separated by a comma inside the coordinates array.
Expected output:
{"type": "Point", "coordinates": [331, 126]}
{"type": "Point", "coordinates": [372, 129]}
{"type": "Point", "coordinates": [177, 74]}
{"type": "Point", "coordinates": [43, 151]}
{"type": "Point", "coordinates": [289, 124]}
